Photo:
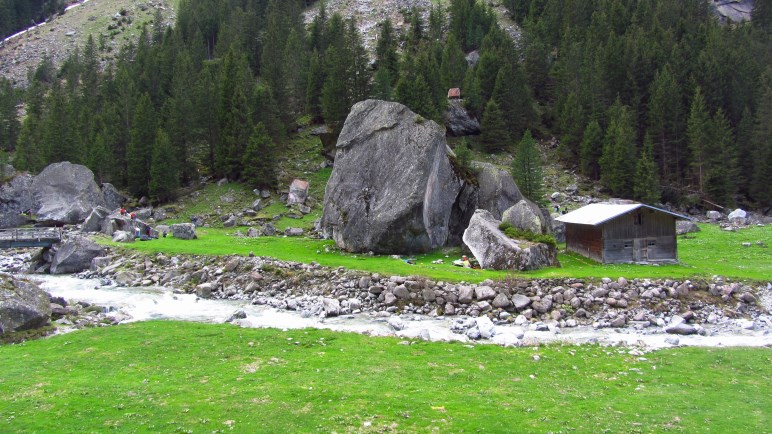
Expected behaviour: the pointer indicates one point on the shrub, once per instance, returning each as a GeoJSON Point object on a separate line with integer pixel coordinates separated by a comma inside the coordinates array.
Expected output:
{"type": "Point", "coordinates": [519, 234]}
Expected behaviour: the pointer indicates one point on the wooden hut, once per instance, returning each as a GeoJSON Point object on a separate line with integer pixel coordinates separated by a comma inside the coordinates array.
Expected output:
{"type": "Point", "coordinates": [454, 93]}
{"type": "Point", "coordinates": [611, 233]}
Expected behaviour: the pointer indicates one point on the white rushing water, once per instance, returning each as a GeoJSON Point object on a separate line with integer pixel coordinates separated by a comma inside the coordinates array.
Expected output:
{"type": "Point", "coordinates": [150, 303]}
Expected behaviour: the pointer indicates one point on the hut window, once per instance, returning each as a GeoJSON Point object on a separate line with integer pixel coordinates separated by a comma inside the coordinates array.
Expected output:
{"type": "Point", "coordinates": [638, 219]}
{"type": "Point", "coordinates": [652, 243]}
{"type": "Point", "coordinates": [628, 244]}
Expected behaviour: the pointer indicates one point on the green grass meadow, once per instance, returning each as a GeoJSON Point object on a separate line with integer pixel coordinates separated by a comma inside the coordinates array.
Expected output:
{"type": "Point", "coordinates": [188, 377]}
{"type": "Point", "coordinates": [703, 254]}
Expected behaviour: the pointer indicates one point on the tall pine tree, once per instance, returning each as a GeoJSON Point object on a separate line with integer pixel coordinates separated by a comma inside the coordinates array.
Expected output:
{"type": "Point", "coordinates": [527, 169]}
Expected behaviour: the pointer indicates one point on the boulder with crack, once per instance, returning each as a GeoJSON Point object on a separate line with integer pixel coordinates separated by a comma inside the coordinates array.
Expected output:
{"type": "Point", "coordinates": [393, 188]}
{"type": "Point", "coordinates": [494, 250]}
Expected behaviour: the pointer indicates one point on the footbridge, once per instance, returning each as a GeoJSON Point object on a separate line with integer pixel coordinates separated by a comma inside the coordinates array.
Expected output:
{"type": "Point", "coordinates": [29, 237]}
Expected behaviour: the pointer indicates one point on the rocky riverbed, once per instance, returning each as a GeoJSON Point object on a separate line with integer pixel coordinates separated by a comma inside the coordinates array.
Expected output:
{"type": "Point", "coordinates": [512, 312]}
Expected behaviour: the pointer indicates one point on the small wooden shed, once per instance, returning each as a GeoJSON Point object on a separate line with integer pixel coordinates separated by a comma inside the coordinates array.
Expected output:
{"type": "Point", "coordinates": [454, 93]}
{"type": "Point", "coordinates": [611, 233]}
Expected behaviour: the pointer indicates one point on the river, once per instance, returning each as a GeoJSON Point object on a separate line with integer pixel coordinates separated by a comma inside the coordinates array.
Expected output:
{"type": "Point", "coordinates": [159, 303]}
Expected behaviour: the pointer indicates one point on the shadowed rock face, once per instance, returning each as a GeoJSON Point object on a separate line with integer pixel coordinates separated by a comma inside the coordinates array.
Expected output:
{"type": "Point", "coordinates": [65, 193]}
{"type": "Point", "coordinates": [497, 191]}
{"type": "Point", "coordinates": [15, 198]}
{"type": "Point", "coordinates": [393, 187]}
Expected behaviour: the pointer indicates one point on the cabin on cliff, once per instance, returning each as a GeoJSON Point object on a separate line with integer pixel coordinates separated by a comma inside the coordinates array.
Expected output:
{"type": "Point", "coordinates": [454, 93]}
{"type": "Point", "coordinates": [611, 233]}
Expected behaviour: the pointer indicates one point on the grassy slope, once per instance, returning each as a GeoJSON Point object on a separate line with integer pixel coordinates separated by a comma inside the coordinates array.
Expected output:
{"type": "Point", "coordinates": [704, 254]}
{"type": "Point", "coordinates": [182, 377]}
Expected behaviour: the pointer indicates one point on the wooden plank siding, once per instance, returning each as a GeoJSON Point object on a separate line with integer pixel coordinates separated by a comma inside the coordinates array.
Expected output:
{"type": "Point", "coordinates": [640, 236]}
{"type": "Point", "coordinates": [585, 240]}
{"type": "Point", "coordinates": [643, 235]}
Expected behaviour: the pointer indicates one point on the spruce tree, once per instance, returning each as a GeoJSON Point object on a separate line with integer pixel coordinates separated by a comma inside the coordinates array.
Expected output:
{"type": "Point", "coordinates": [260, 160]}
{"type": "Point", "coordinates": [527, 170]}
{"type": "Point", "coordinates": [720, 173]}
{"type": "Point", "coordinates": [698, 134]}
{"type": "Point", "coordinates": [140, 148]}
{"type": "Point", "coordinates": [760, 189]}
{"type": "Point", "coordinates": [591, 150]}
{"type": "Point", "coordinates": [646, 187]}
{"type": "Point", "coordinates": [618, 159]}
{"type": "Point", "coordinates": [386, 52]}
{"type": "Point", "coordinates": [164, 173]}
{"type": "Point", "coordinates": [495, 134]}
{"type": "Point", "coordinates": [454, 65]}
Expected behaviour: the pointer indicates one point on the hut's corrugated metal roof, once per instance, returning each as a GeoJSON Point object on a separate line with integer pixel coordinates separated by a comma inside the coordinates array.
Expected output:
{"type": "Point", "coordinates": [597, 213]}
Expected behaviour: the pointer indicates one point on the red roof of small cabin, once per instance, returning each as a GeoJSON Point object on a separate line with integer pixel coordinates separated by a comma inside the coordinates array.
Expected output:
{"type": "Point", "coordinates": [454, 92]}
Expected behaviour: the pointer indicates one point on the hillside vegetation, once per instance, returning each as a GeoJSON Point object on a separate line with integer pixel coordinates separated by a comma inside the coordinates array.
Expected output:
{"type": "Point", "coordinates": [654, 88]}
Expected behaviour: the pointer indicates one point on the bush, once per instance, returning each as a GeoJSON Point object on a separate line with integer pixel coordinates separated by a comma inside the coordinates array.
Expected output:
{"type": "Point", "coordinates": [519, 234]}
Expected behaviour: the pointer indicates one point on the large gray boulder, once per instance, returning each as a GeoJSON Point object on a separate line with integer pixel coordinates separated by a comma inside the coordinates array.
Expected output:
{"type": "Point", "coordinates": [184, 231]}
{"type": "Point", "coordinates": [93, 222]}
{"type": "Point", "coordinates": [494, 250]}
{"type": "Point", "coordinates": [75, 255]}
{"type": "Point", "coordinates": [113, 198]}
{"type": "Point", "coordinates": [393, 188]}
{"type": "Point", "coordinates": [526, 215]}
{"type": "Point", "coordinates": [65, 193]}
{"type": "Point", "coordinates": [497, 189]}
{"type": "Point", "coordinates": [15, 198]}
{"type": "Point", "coordinates": [458, 121]}
{"type": "Point", "coordinates": [23, 305]}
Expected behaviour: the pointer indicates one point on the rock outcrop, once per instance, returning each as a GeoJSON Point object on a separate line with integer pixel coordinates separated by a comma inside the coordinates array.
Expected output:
{"type": "Point", "coordinates": [113, 198]}
{"type": "Point", "coordinates": [494, 250]}
{"type": "Point", "coordinates": [23, 305]}
{"type": "Point", "coordinates": [497, 189]}
{"type": "Point", "coordinates": [65, 193]}
{"type": "Point", "coordinates": [15, 198]}
{"type": "Point", "coordinates": [75, 255]}
{"type": "Point", "coordinates": [458, 121]}
{"type": "Point", "coordinates": [393, 188]}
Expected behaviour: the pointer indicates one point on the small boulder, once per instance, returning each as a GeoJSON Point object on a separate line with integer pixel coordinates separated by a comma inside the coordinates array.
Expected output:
{"type": "Point", "coordinates": [298, 192]}
{"type": "Point", "coordinates": [184, 231]}
{"type": "Point", "coordinates": [526, 215]}
{"type": "Point", "coordinates": [714, 215]}
{"type": "Point", "coordinates": [93, 222]}
{"type": "Point", "coordinates": [23, 305]}
{"type": "Point", "coordinates": [686, 227]}
{"type": "Point", "coordinates": [494, 250]}
{"type": "Point", "coordinates": [737, 214]}
{"type": "Point", "coordinates": [458, 121]}
{"type": "Point", "coordinates": [75, 255]}
{"type": "Point", "coordinates": [123, 237]}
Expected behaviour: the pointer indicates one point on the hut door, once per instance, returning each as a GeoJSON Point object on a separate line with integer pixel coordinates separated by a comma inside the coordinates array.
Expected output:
{"type": "Point", "coordinates": [639, 250]}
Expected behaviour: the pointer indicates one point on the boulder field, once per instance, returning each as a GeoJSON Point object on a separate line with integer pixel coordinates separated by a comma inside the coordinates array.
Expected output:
{"type": "Point", "coordinates": [63, 193]}
{"type": "Point", "coordinates": [395, 186]}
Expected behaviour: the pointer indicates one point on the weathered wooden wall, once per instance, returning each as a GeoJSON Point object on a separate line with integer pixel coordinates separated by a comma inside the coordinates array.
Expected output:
{"type": "Point", "coordinates": [639, 236]}
{"type": "Point", "coordinates": [585, 240]}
